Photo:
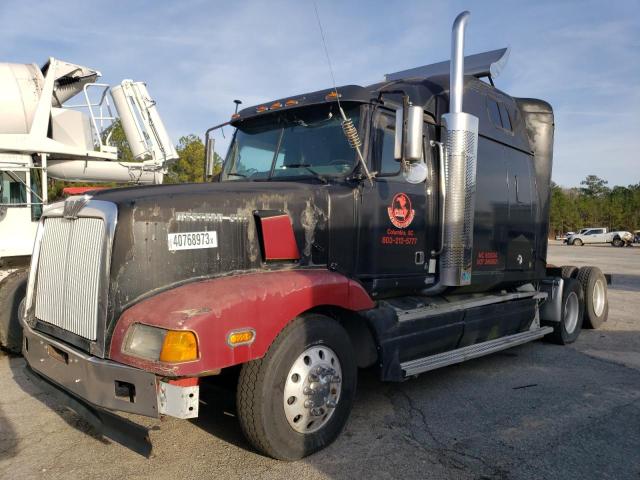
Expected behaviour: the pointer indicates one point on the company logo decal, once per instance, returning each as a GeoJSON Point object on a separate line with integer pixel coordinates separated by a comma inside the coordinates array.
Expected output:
{"type": "Point", "coordinates": [400, 212]}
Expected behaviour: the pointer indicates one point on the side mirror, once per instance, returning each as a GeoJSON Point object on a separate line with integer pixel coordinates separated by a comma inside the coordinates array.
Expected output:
{"type": "Point", "coordinates": [408, 142]}
{"type": "Point", "coordinates": [210, 158]}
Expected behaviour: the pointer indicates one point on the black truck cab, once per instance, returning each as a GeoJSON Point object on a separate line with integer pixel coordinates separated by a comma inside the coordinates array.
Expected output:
{"type": "Point", "coordinates": [386, 232]}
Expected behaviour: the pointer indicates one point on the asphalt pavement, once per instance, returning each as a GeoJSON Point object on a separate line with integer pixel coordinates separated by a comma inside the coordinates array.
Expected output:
{"type": "Point", "coordinates": [536, 411]}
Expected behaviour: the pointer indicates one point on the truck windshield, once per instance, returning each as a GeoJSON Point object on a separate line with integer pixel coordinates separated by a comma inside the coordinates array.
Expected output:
{"type": "Point", "coordinates": [305, 142]}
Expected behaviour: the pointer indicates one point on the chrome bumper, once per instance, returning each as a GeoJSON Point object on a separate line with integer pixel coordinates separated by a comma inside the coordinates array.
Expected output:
{"type": "Point", "coordinates": [101, 383]}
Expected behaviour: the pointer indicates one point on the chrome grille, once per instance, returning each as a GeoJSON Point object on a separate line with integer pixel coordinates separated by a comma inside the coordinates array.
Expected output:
{"type": "Point", "coordinates": [68, 278]}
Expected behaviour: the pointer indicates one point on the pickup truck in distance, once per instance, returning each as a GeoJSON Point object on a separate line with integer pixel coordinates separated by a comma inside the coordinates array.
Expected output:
{"type": "Point", "coordinates": [600, 235]}
{"type": "Point", "coordinates": [391, 226]}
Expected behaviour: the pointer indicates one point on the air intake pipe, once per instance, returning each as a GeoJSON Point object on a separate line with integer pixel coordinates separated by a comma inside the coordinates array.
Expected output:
{"type": "Point", "coordinates": [460, 137]}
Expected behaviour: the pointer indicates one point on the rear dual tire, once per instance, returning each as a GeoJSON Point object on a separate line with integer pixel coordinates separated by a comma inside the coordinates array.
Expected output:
{"type": "Point", "coordinates": [568, 271]}
{"type": "Point", "coordinates": [568, 329]}
{"type": "Point", "coordinates": [596, 302]}
{"type": "Point", "coordinates": [277, 394]}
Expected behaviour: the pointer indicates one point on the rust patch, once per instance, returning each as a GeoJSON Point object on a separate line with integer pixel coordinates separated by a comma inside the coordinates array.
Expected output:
{"type": "Point", "coordinates": [309, 219]}
{"type": "Point", "coordinates": [193, 312]}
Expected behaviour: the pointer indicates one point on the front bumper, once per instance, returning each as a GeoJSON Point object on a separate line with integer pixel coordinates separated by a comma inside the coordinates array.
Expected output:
{"type": "Point", "coordinates": [92, 386]}
{"type": "Point", "coordinates": [102, 383]}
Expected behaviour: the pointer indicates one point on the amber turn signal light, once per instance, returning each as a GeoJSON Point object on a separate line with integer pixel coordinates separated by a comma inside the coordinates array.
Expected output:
{"type": "Point", "coordinates": [179, 346]}
{"type": "Point", "coordinates": [241, 337]}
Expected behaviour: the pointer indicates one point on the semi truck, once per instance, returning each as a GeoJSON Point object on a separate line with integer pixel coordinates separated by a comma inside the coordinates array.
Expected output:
{"type": "Point", "coordinates": [43, 135]}
{"type": "Point", "coordinates": [400, 226]}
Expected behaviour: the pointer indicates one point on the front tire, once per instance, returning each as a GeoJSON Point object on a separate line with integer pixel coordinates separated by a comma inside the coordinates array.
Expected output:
{"type": "Point", "coordinates": [297, 398]}
{"type": "Point", "coordinates": [577, 242]}
{"type": "Point", "coordinates": [568, 329]}
{"type": "Point", "coordinates": [12, 292]}
{"type": "Point", "coordinates": [617, 242]}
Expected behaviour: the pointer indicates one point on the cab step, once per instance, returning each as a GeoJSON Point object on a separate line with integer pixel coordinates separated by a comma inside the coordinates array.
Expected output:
{"type": "Point", "coordinates": [420, 365]}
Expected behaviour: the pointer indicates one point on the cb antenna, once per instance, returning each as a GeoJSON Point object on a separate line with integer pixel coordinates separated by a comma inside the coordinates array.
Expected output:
{"type": "Point", "coordinates": [349, 129]}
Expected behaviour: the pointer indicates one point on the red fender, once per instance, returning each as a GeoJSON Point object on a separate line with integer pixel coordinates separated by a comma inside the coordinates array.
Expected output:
{"type": "Point", "coordinates": [264, 301]}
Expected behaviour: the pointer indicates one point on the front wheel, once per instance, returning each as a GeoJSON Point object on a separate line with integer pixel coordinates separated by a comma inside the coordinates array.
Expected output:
{"type": "Point", "coordinates": [577, 242]}
{"type": "Point", "coordinates": [617, 242]}
{"type": "Point", "coordinates": [297, 398]}
{"type": "Point", "coordinates": [12, 292]}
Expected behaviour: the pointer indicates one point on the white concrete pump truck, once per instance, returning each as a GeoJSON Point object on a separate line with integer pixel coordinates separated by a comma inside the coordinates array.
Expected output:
{"type": "Point", "coordinates": [42, 136]}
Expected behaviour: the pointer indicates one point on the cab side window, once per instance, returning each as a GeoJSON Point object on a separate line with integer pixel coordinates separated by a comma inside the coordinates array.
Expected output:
{"type": "Point", "coordinates": [504, 115]}
{"type": "Point", "coordinates": [499, 114]}
{"type": "Point", "coordinates": [12, 189]}
{"type": "Point", "coordinates": [494, 112]}
{"type": "Point", "coordinates": [384, 135]}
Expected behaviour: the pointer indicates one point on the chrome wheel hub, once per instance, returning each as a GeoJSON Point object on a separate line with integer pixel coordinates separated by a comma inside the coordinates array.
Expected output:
{"type": "Point", "coordinates": [312, 390]}
{"type": "Point", "coordinates": [598, 298]}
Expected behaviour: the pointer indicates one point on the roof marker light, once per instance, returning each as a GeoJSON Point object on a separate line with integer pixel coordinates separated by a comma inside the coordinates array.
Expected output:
{"type": "Point", "coordinates": [275, 105]}
{"type": "Point", "coordinates": [332, 95]}
{"type": "Point", "coordinates": [291, 102]}
{"type": "Point", "coordinates": [262, 108]}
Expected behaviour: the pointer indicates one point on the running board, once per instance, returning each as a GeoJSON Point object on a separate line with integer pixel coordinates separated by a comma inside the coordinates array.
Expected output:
{"type": "Point", "coordinates": [460, 355]}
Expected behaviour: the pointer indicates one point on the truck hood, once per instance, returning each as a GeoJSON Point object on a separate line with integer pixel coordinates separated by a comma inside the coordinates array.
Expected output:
{"type": "Point", "coordinates": [143, 262]}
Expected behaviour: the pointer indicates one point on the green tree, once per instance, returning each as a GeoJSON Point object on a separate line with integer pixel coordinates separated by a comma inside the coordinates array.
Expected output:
{"type": "Point", "coordinates": [594, 186]}
{"type": "Point", "coordinates": [115, 137]}
{"type": "Point", "coordinates": [190, 166]}
{"type": "Point", "coordinates": [594, 205]}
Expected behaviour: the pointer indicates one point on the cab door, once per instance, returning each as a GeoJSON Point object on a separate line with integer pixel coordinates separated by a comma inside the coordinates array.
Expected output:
{"type": "Point", "coordinates": [588, 236]}
{"type": "Point", "coordinates": [395, 218]}
{"type": "Point", "coordinates": [600, 236]}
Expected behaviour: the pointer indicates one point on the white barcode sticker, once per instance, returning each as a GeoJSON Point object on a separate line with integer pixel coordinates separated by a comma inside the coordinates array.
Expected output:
{"type": "Point", "coordinates": [192, 240]}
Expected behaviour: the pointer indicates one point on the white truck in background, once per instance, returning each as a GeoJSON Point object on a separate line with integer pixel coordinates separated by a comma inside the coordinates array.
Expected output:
{"type": "Point", "coordinates": [42, 136]}
{"type": "Point", "coordinates": [600, 235]}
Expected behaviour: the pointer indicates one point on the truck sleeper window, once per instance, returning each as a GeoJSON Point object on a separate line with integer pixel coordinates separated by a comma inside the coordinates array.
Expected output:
{"type": "Point", "coordinates": [302, 142]}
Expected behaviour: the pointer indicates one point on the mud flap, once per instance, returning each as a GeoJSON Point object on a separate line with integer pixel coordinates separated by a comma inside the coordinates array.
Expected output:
{"type": "Point", "coordinates": [119, 429]}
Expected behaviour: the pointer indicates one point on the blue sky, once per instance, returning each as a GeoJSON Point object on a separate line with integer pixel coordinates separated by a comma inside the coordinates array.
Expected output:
{"type": "Point", "coordinates": [197, 56]}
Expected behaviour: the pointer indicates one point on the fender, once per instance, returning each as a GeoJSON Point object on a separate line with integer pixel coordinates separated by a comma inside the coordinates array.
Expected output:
{"type": "Point", "coordinates": [264, 301]}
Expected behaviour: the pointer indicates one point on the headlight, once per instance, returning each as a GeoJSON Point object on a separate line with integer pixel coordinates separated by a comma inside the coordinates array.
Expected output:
{"type": "Point", "coordinates": [153, 343]}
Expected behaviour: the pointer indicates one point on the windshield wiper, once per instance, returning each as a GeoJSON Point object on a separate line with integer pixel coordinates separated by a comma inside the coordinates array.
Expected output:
{"type": "Point", "coordinates": [310, 170]}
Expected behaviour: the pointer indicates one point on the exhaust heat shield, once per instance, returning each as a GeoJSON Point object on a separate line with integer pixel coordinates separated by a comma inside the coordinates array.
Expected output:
{"type": "Point", "coordinates": [461, 149]}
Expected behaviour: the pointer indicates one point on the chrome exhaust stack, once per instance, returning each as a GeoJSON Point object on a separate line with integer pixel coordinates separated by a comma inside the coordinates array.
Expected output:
{"type": "Point", "coordinates": [460, 137]}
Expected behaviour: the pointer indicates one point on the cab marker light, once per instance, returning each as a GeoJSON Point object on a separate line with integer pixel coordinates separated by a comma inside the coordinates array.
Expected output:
{"type": "Point", "coordinates": [245, 336]}
{"type": "Point", "coordinates": [291, 102]}
{"type": "Point", "coordinates": [235, 116]}
{"type": "Point", "coordinates": [262, 108]}
{"type": "Point", "coordinates": [275, 106]}
{"type": "Point", "coordinates": [332, 96]}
